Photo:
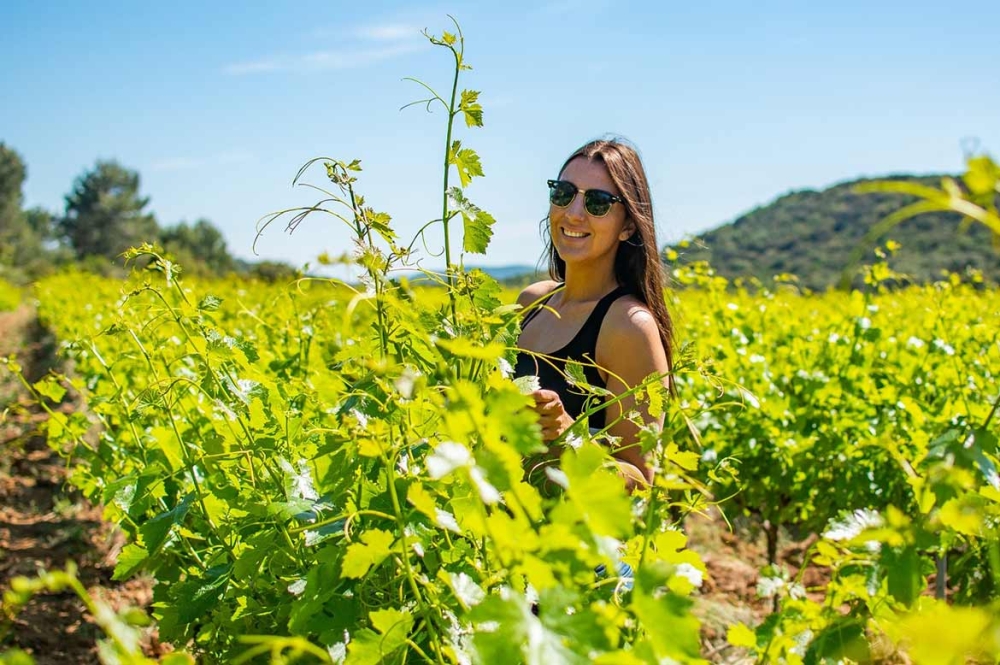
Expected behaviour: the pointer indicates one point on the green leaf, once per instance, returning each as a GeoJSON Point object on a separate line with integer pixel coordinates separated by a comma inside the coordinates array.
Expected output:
{"type": "Point", "coordinates": [739, 635]}
{"type": "Point", "coordinates": [486, 292]}
{"type": "Point", "coordinates": [575, 377]}
{"type": "Point", "coordinates": [939, 634]}
{"type": "Point", "coordinates": [391, 619]}
{"type": "Point", "coordinates": [15, 657]}
{"type": "Point", "coordinates": [466, 161]}
{"type": "Point", "coordinates": [210, 303]}
{"type": "Point", "coordinates": [286, 510]}
{"type": "Point", "coordinates": [471, 108]}
{"type": "Point", "coordinates": [467, 348]}
{"type": "Point", "coordinates": [50, 387]}
{"type": "Point", "coordinates": [506, 631]}
{"type": "Point", "coordinates": [478, 231]}
{"type": "Point", "coordinates": [970, 451]}
{"type": "Point", "coordinates": [379, 221]}
{"type": "Point", "coordinates": [842, 640]}
{"type": "Point", "coordinates": [673, 631]}
{"type": "Point", "coordinates": [477, 224]}
{"type": "Point", "coordinates": [258, 416]}
{"type": "Point", "coordinates": [685, 459]}
{"type": "Point", "coordinates": [155, 531]}
{"type": "Point", "coordinates": [597, 492]}
{"type": "Point", "coordinates": [370, 648]}
{"type": "Point", "coordinates": [527, 384]}
{"type": "Point", "coordinates": [198, 595]}
{"type": "Point", "coordinates": [374, 547]}
{"type": "Point", "coordinates": [903, 574]}
{"type": "Point", "coordinates": [654, 392]}
{"type": "Point", "coordinates": [130, 560]}
{"type": "Point", "coordinates": [983, 175]}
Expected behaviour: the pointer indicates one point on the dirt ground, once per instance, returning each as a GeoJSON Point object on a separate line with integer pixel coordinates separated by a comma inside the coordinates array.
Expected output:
{"type": "Point", "coordinates": [44, 524]}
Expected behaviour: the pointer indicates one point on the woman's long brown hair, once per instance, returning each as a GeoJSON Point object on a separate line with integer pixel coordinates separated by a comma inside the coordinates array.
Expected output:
{"type": "Point", "coordinates": [637, 263]}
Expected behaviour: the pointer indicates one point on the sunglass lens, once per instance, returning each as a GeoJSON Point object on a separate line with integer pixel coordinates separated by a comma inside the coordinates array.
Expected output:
{"type": "Point", "coordinates": [561, 193]}
{"type": "Point", "coordinates": [598, 202]}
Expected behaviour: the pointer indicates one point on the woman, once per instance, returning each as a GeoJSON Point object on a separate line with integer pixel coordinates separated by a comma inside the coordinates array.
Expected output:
{"type": "Point", "coordinates": [604, 305]}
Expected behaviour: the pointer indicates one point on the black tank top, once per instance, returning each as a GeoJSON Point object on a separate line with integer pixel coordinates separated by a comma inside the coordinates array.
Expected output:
{"type": "Point", "coordinates": [551, 369]}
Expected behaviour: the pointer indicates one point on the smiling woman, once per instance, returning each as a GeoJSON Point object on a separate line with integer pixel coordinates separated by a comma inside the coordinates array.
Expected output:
{"type": "Point", "coordinates": [603, 306]}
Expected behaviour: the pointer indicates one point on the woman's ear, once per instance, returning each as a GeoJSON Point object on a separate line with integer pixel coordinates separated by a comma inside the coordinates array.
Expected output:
{"type": "Point", "coordinates": [627, 231]}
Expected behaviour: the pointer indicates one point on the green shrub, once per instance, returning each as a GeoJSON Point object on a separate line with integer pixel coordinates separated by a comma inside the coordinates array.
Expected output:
{"type": "Point", "coordinates": [10, 296]}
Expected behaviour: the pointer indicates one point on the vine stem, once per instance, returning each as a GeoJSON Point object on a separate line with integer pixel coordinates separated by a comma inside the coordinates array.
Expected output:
{"type": "Point", "coordinates": [996, 405]}
{"type": "Point", "coordinates": [444, 193]}
{"type": "Point", "coordinates": [405, 558]}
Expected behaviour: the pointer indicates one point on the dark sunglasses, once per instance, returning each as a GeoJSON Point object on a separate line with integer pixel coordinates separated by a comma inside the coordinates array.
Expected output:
{"type": "Point", "coordinates": [596, 202]}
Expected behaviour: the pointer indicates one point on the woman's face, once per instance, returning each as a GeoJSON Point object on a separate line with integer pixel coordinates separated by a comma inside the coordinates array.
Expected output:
{"type": "Point", "coordinates": [578, 236]}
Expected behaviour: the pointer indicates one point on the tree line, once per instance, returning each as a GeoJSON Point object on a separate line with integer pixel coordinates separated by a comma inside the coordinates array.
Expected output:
{"type": "Point", "coordinates": [104, 215]}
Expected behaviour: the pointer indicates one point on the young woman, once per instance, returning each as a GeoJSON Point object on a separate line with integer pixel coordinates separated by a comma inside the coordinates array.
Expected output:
{"type": "Point", "coordinates": [604, 305]}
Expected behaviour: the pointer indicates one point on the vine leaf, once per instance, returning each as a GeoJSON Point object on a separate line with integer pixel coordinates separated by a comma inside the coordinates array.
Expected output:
{"type": "Point", "coordinates": [471, 108]}
{"type": "Point", "coordinates": [155, 531]}
{"type": "Point", "coordinates": [477, 224]}
{"type": "Point", "coordinates": [370, 648]}
{"type": "Point", "coordinates": [130, 560]}
{"type": "Point", "coordinates": [370, 552]}
{"type": "Point", "coordinates": [200, 594]}
{"type": "Point", "coordinates": [506, 631]}
{"type": "Point", "coordinates": [466, 161]}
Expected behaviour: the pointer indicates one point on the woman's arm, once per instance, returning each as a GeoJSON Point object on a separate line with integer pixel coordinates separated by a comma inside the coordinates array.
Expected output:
{"type": "Point", "coordinates": [629, 349]}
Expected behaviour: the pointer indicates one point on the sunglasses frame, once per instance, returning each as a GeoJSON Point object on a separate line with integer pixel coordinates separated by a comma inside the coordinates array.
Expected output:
{"type": "Point", "coordinates": [586, 204]}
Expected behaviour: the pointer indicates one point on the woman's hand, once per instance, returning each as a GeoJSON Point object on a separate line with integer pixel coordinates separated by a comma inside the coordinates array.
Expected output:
{"type": "Point", "coordinates": [552, 415]}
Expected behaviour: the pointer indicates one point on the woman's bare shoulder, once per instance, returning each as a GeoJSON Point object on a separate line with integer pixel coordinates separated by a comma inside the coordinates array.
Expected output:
{"type": "Point", "coordinates": [535, 292]}
{"type": "Point", "coordinates": [630, 326]}
{"type": "Point", "coordinates": [629, 321]}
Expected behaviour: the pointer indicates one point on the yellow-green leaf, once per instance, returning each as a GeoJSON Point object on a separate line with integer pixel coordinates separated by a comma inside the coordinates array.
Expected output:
{"type": "Point", "coordinates": [739, 635]}
{"type": "Point", "coordinates": [361, 556]}
{"type": "Point", "coordinates": [422, 500]}
{"type": "Point", "coordinates": [466, 161]}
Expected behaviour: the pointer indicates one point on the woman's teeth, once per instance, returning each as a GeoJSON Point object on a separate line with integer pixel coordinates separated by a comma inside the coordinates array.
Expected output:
{"type": "Point", "coordinates": [573, 234]}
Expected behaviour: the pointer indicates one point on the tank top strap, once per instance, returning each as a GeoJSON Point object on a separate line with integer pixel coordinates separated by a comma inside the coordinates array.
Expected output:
{"type": "Point", "coordinates": [538, 308]}
{"type": "Point", "coordinates": [585, 342]}
{"type": "Point", "coordinates": [604, 304]}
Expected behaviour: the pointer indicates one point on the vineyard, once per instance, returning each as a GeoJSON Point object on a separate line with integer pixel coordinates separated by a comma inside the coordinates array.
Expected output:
{"type": "Point", "coordinates": [294, 490]}
{"type": "Point", "coordinates": [315, 471]}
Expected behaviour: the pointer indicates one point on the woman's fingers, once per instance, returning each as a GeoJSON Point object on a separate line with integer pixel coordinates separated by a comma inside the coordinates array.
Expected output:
{"type": "Point", "coordinates": [552, 415]}
{"type": "Point", "coordinates": [544, 396]}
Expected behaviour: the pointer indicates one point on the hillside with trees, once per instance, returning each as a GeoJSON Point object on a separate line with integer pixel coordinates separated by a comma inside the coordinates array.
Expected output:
{"type": "Point", "coordinates": [812, 234]}
{"type": "Point", "coordinates": [105, 213]}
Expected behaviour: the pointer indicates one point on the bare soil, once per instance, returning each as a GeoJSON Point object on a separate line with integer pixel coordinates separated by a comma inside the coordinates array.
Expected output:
{"type": "Point", "coordinates": [44, 523]}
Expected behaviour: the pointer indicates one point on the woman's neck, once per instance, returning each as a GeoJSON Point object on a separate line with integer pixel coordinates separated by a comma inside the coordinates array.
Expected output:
{"type": "Point", "coordinates": [586, 283]}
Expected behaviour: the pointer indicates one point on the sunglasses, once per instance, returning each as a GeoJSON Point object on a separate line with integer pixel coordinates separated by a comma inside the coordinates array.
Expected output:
{"type": "Point", "coordinates": [596, 202]}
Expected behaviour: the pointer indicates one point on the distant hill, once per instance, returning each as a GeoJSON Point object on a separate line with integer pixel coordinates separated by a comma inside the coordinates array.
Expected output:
{"type": "Point", "coordinates": [508, 273]}
{"type": "Point", "coordinates": [512, 275]}
{"type": "Point", "coordinates": [812, 234]}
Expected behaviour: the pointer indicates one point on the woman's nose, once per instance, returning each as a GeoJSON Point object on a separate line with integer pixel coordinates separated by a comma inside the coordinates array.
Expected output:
{"type": "Point", "coordinates": [576, 208]}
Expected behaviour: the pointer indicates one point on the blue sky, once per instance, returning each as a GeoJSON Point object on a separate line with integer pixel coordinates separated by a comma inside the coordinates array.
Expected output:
{"type": "Point", "coordinates": [731, 103]}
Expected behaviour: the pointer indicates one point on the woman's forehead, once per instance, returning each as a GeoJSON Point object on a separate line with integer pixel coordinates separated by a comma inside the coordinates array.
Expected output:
{"type": "Point", "coordinates": [589, 174]}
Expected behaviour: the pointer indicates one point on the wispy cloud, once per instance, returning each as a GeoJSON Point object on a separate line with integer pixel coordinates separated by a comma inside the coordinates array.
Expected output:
{"type": "Point", "coordinates": [567, 7]}
{"type": "Point", "coordinates": [387, 32]}
{"type": "Point", "coordinates": [229, 158]}
{"type": "Point", "coordinates": [365, 45]}
{"type": "Point", "coordinates": [175, 164]}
